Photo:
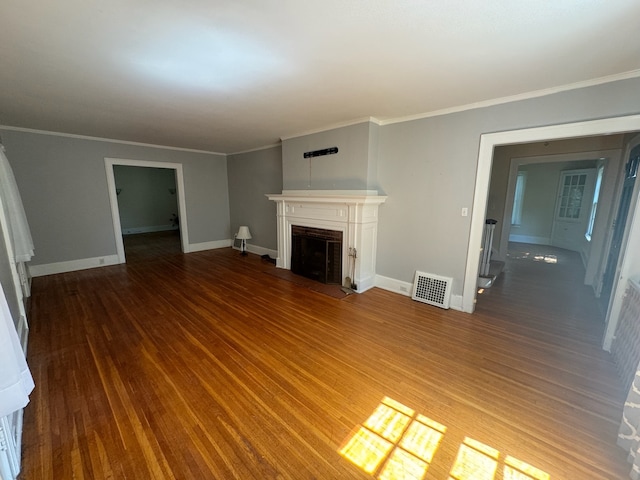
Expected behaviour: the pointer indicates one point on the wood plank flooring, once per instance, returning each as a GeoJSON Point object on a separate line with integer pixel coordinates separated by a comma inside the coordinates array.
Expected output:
{"type": "Point", "coordinates": [205, 366]}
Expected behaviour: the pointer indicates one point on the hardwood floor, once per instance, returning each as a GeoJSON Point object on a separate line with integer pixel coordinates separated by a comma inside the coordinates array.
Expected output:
{"type": "Point", "coordinates": [205, 366]}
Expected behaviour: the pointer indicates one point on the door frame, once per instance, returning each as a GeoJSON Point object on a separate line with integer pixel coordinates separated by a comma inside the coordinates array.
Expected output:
{"type": "Point", "coordinates": [109, 163]}
{"type": "Point", "coordinates": [488, 142]}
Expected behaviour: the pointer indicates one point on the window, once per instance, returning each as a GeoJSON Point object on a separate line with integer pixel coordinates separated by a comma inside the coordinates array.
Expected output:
{"type": "Point", "coordinates": [573, 186]}
{"type": "Point", "coordinates": [594, 203]}
{"type": "Point", "coordinates": [518, 199]}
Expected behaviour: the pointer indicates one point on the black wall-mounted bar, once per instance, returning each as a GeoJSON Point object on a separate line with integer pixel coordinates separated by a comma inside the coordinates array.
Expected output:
{"type": "Point", "coordinates": [320, 153]}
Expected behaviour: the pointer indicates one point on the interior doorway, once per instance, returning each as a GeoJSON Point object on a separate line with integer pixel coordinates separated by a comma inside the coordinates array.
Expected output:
{"type": "Point", "coordinates": [179, 194]}
{"type": "Point", "coordinates": [630, 175]}
{"type": "Point", "coordinates": [488, 142]}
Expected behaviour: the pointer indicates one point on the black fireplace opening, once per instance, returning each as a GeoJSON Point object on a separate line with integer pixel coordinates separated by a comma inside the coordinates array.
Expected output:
{"type": "Point", "coordinates": [316, 253]}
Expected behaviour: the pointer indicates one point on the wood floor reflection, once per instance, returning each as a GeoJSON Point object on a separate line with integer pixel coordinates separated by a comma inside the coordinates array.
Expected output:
{"type": "Point", "coordinates": [205, 366]}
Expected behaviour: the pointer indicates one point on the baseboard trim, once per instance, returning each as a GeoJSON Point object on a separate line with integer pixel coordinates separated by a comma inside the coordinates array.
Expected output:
{"type": "Point", "coordinates": [213, 245]}
{"type": "Point", "coordinates": [393, 285]}
{"type": "Point", "coordinates": [260, 250]}
{"type": "Point", "coordinates": [72, 265]}
{"type": "Point", "coordinates": [455, 303]}
{"type": "Point", "coordinates": [530, 239]}
{"type": "Point", "coordinates": [406, 288]}
{"type": "Point", "coordinates": [150, 229]}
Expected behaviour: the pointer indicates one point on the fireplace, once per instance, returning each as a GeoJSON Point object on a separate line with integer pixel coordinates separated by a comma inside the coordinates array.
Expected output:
{"type": "Point", "coordinates": [351, 214]}
{"type": "Point", "coordinates": [316, 253]}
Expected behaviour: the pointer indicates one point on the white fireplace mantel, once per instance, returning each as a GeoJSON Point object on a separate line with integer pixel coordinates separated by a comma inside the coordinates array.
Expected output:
{"type": "Point", "coordinates": [352, 212]}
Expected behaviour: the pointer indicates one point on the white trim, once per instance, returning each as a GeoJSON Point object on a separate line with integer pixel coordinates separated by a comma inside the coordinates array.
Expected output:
{"type": "Point", "coordinates": [515, 98]}
{"type": "Point", "coordinates": [530, 239]}
{"type": "Point", "coordinates": [393, 285]}
{"type": "Point", "coordinates": [149, 229]}
{"type": "Point", "coordinates": [257, 149]}
{"type": "Point", "coordinates": [113, 199]}
{"type": "Point", "coordinates": [108, 140]}
{"type": "Point", "coordinates": [213, 245]}
{"type": "Point", "coordinates": [488, 142]}
{"type": "Point", "coordinates": [72, 265]}
{"type": "Point", "coordinates": [455, 303]}
{"type": "Point", "coordinates": [626, 268]}
{"type": "Point", "coordinates": [258, 250]}
{"type": "Point", "coordinates": [333, 126]}
{"type": "Point", "coordinates": [23, 333]}
{"type": "Point", "coordinates": [405, 288]}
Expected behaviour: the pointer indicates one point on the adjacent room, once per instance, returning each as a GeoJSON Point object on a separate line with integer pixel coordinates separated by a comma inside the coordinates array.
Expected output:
{"type": "Point", "coordinates": [392, 240]}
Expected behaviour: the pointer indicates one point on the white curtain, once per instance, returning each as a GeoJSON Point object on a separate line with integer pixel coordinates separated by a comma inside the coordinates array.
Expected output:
{"type": "Point", "coordinates": [15, 378]}
{"type": "Point", "coordinates": [14, 211]}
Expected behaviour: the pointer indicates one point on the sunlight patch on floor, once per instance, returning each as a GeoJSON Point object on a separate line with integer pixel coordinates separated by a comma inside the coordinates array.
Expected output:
{"type": "Point", "coordinates": [397, 439]}
{"type": "Point", "coordinates": [395, 443]}
{"type": "Point", "coordinates": [537, 257]}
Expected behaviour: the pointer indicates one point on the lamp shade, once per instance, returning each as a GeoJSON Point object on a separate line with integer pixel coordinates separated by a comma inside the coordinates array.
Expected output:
{"type": "Point", "coordinates": [243, 233]}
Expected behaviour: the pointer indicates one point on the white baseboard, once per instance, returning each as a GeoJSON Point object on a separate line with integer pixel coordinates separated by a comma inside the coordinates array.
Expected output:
{"type": "Point", "coordinates": [72, 265]}
{"type": "Point", "coordinates": [406, 288]}
{"type": "Point", "coordinates": [199, 247]}
{"type": "Point", "coordinates": [455, 303]}
{"type": "Point", "coordinates": [365, 284]}
{"type": "Point", "coordinates": [530, 239]}
{"type": "Point", "coordinates": [260, 250]}
{"type": "Point", "coordinates": [150, 229]}
{"type": "Point", "coordinates": [393, 285]}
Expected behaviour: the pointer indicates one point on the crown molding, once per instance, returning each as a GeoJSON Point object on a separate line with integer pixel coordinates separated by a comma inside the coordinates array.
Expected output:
{"type": "Point", "coordinates": [348, 123]}
{"type": "Point", "coordinates": [109, 140]}
{"type": "Point", "coordinates": [516, 98]}
{"type": "Point", "coordinates": [257, 149]}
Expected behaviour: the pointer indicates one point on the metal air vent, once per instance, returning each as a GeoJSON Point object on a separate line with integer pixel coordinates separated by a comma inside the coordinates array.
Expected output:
{"type": "Point", "coordinates": [432, 289]}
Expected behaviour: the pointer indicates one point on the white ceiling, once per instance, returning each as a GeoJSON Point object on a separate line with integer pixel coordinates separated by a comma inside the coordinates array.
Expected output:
{"type": "Point", "coordinates": [228, 76]}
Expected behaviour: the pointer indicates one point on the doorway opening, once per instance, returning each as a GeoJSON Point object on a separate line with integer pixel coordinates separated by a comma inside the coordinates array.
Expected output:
{"type": "Point", "coordinates": [161, 231]}
{"type": "Point", "coordinates": [488, 142]}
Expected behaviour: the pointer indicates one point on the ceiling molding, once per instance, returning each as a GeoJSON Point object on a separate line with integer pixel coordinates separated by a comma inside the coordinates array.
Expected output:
{"type": "Point", "coordinates": [109, 140]}
{"type": "Point", "coordinates": [516, 98]}
{"type": "Point", "coordinates": [333, 126]}
{"type": "Point", "coordinates": [257, 149]}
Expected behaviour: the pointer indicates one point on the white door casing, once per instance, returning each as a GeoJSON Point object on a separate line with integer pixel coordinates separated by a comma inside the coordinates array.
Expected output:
{"type": "Point", "coordinates": [113, 199]}
{"type": "Point", "coordinates": [488, 142]}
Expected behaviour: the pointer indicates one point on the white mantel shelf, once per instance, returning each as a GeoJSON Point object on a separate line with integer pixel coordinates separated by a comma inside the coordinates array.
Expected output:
{"type": "Point", "coordinates": [330, 196]}
{"type": "Point", "coordinates": [352, 212]}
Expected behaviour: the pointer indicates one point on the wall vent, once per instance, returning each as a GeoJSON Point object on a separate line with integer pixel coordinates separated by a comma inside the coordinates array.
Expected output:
{"type": "Point", "coordinates": [432, 289]}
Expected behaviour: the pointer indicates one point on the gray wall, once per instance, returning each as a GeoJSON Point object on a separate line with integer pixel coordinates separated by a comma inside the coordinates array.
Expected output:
{"type": "Point", "coordinates": [145, 201]}
{"type": "Point", "coordinates": [427, 168]}
{"type": "Point", "coordinates": [63, 184]}
{"type": "Point", "coordinates": [251, 176]}
{"type": "Point", "coordinates": [349, 169]}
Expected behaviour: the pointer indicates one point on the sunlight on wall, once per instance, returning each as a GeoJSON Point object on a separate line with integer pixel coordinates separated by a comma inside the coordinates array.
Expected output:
{"type": "Point", "coordinates": [395, 443]}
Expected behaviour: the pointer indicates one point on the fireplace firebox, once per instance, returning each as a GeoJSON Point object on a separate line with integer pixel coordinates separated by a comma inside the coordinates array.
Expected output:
{"type": "Point", "coordinates": [316, 253]}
